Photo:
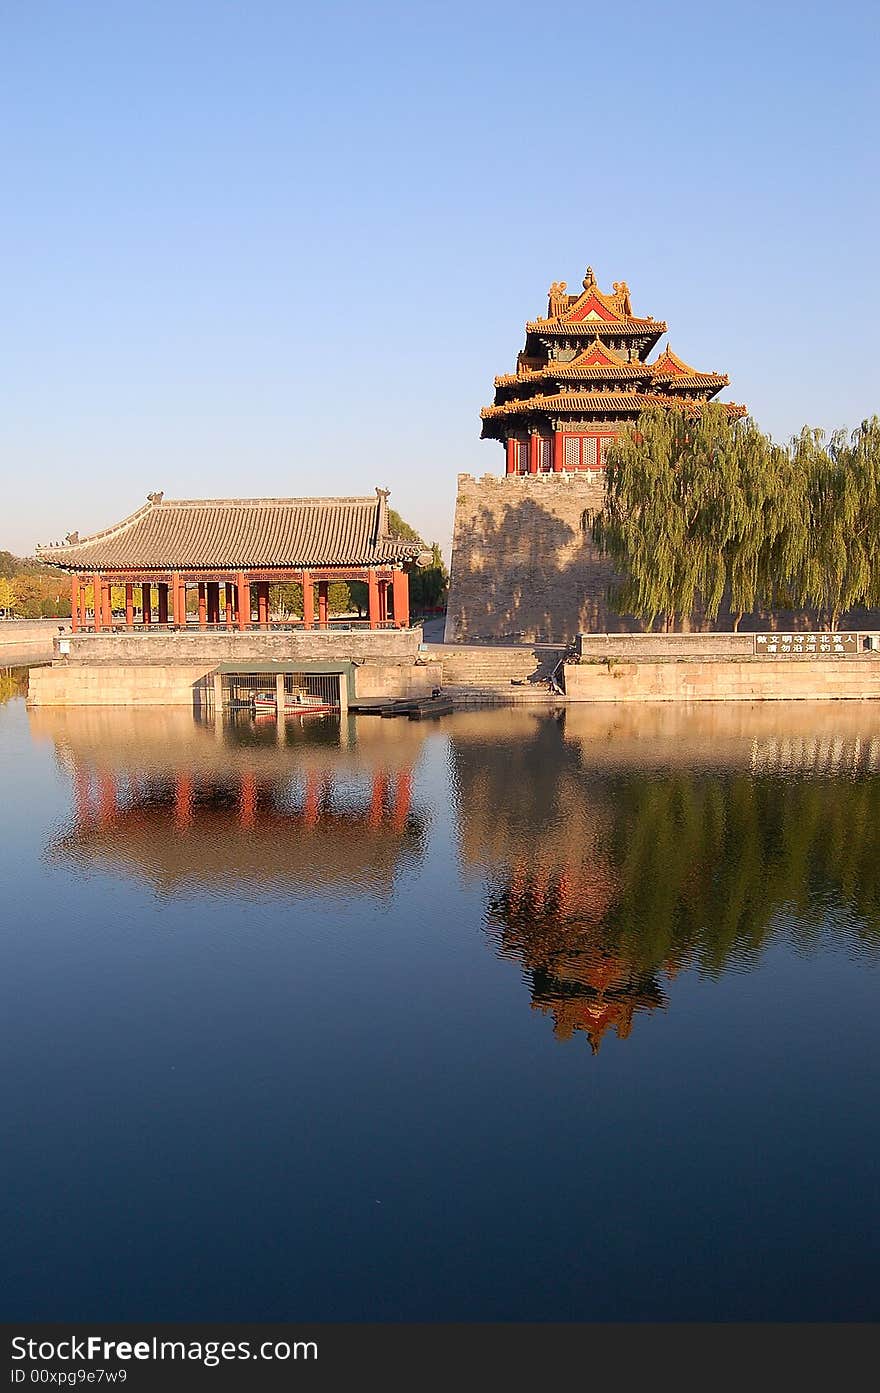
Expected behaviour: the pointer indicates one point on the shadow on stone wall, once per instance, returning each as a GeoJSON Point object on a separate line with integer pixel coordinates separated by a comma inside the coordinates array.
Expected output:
{"type": "Point", "coordinates": [528, 575]}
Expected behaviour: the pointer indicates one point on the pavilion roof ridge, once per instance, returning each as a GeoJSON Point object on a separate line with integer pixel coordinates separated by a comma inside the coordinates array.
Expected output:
{"type": "Point", "coordinates": [676, 367]}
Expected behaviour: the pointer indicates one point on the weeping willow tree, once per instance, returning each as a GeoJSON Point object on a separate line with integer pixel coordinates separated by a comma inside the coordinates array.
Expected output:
{"type": "Point", "coordinates": [838, 564]}
{"type": "Point", "coordinates": [699, 509]}
{"type": "Point", "coordinates": [695, 504]}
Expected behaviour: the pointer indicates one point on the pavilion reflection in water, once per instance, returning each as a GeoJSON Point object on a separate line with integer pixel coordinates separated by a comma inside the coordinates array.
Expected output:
{"type": "Point", "coordinates": [620, 846]}
{"type": "Point", "coordinates": [234, 804]}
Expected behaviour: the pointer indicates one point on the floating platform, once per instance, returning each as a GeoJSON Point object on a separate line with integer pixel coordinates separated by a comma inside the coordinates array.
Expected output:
{"type": "Point", "coordinates": [415, 708]}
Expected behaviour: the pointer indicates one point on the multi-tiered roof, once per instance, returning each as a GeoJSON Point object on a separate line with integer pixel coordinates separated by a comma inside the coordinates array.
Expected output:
{"type": "Point", "coordinates": [585, 369]}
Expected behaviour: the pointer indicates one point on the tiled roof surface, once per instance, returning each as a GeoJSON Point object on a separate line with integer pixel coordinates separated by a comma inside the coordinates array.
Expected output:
{"type": "Point", "coordinates": [595, 401]}
{"type": "Point", "coordinates": [239, 533]}
{"type": "Point", "coordinates": [568, 328]}
{"type": "Point", "coordinates": [590, 371]}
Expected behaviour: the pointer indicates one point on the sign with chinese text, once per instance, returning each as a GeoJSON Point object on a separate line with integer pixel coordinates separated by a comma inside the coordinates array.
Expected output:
{"type": "Point", "coordinates": [806, 645]}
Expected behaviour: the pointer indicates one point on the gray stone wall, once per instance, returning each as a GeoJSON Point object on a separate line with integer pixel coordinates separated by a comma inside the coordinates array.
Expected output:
{"type": "Point", "coordinates": [524, 567]}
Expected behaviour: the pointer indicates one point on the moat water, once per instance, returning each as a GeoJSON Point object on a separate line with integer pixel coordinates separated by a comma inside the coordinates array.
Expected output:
{"type": "Point", "coordinates": [510, 1016]}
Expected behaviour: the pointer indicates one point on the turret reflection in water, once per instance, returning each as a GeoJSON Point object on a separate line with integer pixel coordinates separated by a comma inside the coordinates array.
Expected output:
{"type": "Point", "coordinates": [620, 847]}
{"type": "Point", "coordinates": [234, 806]}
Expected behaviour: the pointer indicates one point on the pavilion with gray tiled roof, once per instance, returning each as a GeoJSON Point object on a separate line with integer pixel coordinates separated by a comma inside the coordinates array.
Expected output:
{"type": "Point", "coordinates": [245, 545]}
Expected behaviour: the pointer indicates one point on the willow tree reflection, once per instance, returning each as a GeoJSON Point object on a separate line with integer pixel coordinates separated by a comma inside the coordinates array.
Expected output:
{"type": "Point", "coordinates": [614, 861]}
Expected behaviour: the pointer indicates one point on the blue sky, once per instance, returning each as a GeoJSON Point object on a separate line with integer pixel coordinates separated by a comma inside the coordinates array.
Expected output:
{"type": "Point", "coordinates": [271, 248]}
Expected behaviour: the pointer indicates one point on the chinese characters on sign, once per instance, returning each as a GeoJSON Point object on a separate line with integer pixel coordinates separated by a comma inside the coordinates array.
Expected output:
{"type": "Point", "coordinates": [805, 645]}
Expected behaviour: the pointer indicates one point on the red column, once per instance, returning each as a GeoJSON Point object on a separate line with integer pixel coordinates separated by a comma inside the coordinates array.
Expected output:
{"type": "Point", "coordinates": [203, 606]}
{"type": "Point", "coordinates": [83, 618]}
{"type": "Point", "coordinates": [244, 601]}
{"type": "Point", "coordinates": [510, 452]}
{"type": "Point", "coordinates": [162, 591]}
{"type": "Point", "coordinates": [263, 604]}
{"type": "Point", "coordinates": [107, 604]}
{"type": "Point", "coordinates": [74, 604]}
{"type": "Point", "coordinates": [107, 804]}
{"type": "Point", "coordinates": [228, 604]}
{"type": "Point", "coordinates": [176, 616]}
{"type": "Point", "coordinates": [534, 446]}
{"type": "Point", "coordinates": [308, 601]}
{"type": "Point", "coordinates": [247, 808]}
{"type": "Point", "coordinates": [183, 800]}
{"type": "Point", "coordinates": [377, 800]}
{"type": "Point", "coordinates": [373, 596]}
{"type": "Point", "coordinates": [129, 605]}
{"type": "Point", "coordinates": [558, 440]}
{"type": "Point", "coordinates": [312, 800]}
{"type": "Point", "coordinates": [323, 588]}
{"type": "Point", "coordinates": [402, 800]}
{"type": "Point", "coordinates": [400, 596]}
{"type": "Point", "coordinates": [98, 602]}
{"type": "Point", "coordinates": [146, 605]}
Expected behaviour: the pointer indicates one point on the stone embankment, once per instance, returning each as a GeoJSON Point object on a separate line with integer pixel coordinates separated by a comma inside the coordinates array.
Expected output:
{"type": "Point", "coordinates": [28, 639]}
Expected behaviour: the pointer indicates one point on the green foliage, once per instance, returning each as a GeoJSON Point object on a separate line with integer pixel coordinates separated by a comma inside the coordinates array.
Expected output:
{"type": "Point", "coordinates": [360, 599]}
{"type": "Point", "coordinates": [339, 597]}
{"type": "Point", "coordinates": [428, 587]}
{"type": "Point", "coordinates": [398, 528]}
{"type": "Point", "coordinates": [699, 508]}
{"type": "Point", "coordinates": [286, 600]}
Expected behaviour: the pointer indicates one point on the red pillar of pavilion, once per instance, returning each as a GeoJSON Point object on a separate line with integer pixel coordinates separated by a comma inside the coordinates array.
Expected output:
{"type": "Point", "coordinates": [97, 602]}
{"type": "Point", "coordinates": [247, 808]}
{"type": "Point", "coordinates": [203, 606]}
{"type": "Point", "coordinates": [377, 799]}
{"type": "Point", "coordinates": [511, 454]}
{"type": "Point", "coordinates": [244, 601]}
{"type": "Point", "coordinates": [183, 801]}
{"type": "Point", "coordinates": [107, 799]}
{"type": "Point", "coordinates": [534, 446]}
{"type": "Point", "coordinates": [373, 596]}
{"type": "Point", "coordinates": [83, 617]}
{"type": "Point", "coordinates": [178, 611]}
{"type": "Point", "coordinates": [308, 601]}
{"type": "Point", "coordinates": [557, 451]}
{"type": "Point", "coordinates": [107, 604]}
{"type": "Point", "coordinates": [74, 604]}
{"type": "Point", "coordinates": [263, 604]}
{"type": "Point", "coordinates": [129, 605]}
{"type": "Point", "coordinates": [323, 608]}
{"type": "Point", "coordinates": [400, 597]}
{"type": "Point", "coordinates": [402, 799]}
{"type": "Point", "coordinates": [146, 605]}
{"type": "Point", "coordinates": [228, 602]}
{"type": "Point", "coordinates": [312, 799]}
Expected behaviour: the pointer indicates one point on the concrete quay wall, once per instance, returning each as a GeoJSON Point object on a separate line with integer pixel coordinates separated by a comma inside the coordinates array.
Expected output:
{"type": "Point", "coordinates": [223, 646]}
{"type": "Point", "coordinates": [31, 638]}
{"type": "Point", "coordinates": [191, 684]}
{"type": "Point", "coordinates": [756, 679]}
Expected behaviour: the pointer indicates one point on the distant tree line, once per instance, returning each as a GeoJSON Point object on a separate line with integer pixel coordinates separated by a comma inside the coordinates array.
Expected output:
{"type": "Point", "coordinates": [29, 590]}
{"type": "Point", "coordinates": [701, 511]}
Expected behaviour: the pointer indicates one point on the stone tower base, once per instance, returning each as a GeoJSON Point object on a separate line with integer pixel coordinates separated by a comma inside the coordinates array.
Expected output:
{"type": "Point", "coordinates": [524, 566]}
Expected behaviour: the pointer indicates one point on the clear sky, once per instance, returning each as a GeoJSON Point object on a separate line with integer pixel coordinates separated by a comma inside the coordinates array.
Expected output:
{"type": "Point", "coordinates": [266, 248]}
